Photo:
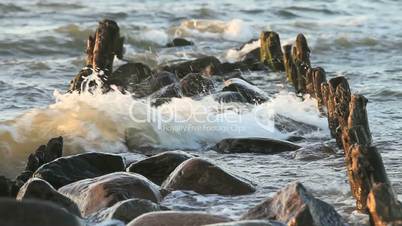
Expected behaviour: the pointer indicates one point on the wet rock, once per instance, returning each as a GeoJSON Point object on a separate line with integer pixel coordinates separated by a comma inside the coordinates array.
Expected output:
{"type": "Point", "coordinates": [227, 97]}
{"type": "Point", "coordinates": [92, 195]}
{"type": "Point", "coordinates": [41, 190]}
{"type": "Point", "coordinates": [165, 94]}
{"type": "Point", "coordinates": [313, 152]}
{"type": "Point", "coordinates": [251, 93]}
{"type": "Point", "coordinates": [176, 218]}
{"type": "Point", "coordinates": [162, 79]}
{"type": "Point", "coordinates": [44, 154]}
{"type": "Point", "coordinates": [254, 145]}
{"type": "Point", "coordinates": [294, 205]}
{"type": "Point", "coordinates": [195, 84]}
{"type": "Point", "coordinates": [141, 142]}
{"type": "Point", "coordinates": [5, 187]}
{"type": "Point", "coordinates": [69, 169]}
{"type": "Point", "coordinates": [177, 42]}
{"type": "Point", "coordinates": [129, 74]}
{"type": "Point", "coordinates": [34, 213]}
{"type": "Point", "coordinates": [249, 223]}
{"type": "Point", "coordinates": [76, 83]}
{"type": "Point", "coordinates": [288, 125]}
{"type": "Point", "coordinates": [203, 177]}
{"type": "Point", "coordinates": [207, 66]}
{"type": "Point", "coordinates": [126, 210]}
{"type": "Point", "coordinates": [158, 167]}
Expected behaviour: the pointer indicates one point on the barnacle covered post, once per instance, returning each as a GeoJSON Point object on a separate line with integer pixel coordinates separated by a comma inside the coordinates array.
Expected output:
{"type": "Point", "coordinates": [271, 50]}
{"type": "Point", "coordinates": [101, 49]}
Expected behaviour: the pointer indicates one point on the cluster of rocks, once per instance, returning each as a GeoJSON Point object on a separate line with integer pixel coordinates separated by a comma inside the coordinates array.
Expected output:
{"type": "Point", "coordinates": [96, 187]}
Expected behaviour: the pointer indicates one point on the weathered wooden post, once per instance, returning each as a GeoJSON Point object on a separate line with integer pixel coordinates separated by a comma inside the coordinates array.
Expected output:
{"type": "Point", "coordinates": [318, 79]}
{"type": "Point", "coordinates": [301, 58]}
{"type": "Point", "coordinates": [101, 49]}
{"type": "Point", "coordinates": [383, 207]}
{"type": "Point", "coordinates": [338, 106]}
{"type": "Point", "coordinates": [271, 50]}
{"type": "Point", "coordinates": [290, 68]}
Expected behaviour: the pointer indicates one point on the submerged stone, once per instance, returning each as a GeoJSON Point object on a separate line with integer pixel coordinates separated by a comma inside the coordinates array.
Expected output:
{"type": "Point", "coordinates": [254, 145]}
{"type": "Point", "coordinates": [177, 42]}
{"type": "Point", "coordinates": [251, 93]}
{"type": "Point", "coordinates": [207, 66]}
{"type": "Point", "coordinates": [158, 167]}
{"type": "Point", "coordinates": [41, 190]}
{"type": "Point", "coordinates": [91, 195]}
{"type": "Point", "coordinates": [203, 177]}
{"type": "Point", "coordinates": [66, 170]}
{"type": "Point", "coordinates": [295, 206]}
{"type": "Point", "coordinates": [34, 213]}
{"type": "Point", "coordinates": [176, 218]}
{"type": "Point", "coordinates": [126, 210]}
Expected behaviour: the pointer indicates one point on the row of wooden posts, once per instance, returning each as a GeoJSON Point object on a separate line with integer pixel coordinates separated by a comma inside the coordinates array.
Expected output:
{"type": "Point", "coordinates": [348, 123]}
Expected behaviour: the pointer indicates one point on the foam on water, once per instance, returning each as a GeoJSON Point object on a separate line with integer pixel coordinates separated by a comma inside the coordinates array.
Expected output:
{"type": "Point", "coordinates": [98, 122]}
{"type": "Point", "coordinates": [233, 55]}
{"type": "Point", "coordinates": [233, 30]}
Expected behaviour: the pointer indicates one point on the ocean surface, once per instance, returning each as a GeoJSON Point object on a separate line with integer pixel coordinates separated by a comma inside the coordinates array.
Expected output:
{"type": "Point", "coordinates": [42, 48]}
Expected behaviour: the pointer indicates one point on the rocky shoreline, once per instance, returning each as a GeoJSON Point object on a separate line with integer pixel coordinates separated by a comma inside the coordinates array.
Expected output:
{"type": "Point", "coordinates": [111, 189]}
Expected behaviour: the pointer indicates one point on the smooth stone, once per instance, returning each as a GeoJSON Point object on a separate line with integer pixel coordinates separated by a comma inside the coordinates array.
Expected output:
{"type": "Point", "coordinates": [43, 154]}
{"type": "Point", "coordinates": [207, 66]}
{"type": "Point", "coordinates": [92, 195]}
{"type": "Point", "coordinates": [41, 190]}
{"type": "Point", "coordinates": [228, 97]}
{"type": "Point", "coordinates": [178, 42]}
{"type": "Point", "coordinates": [249, 223]}
{"type": "Point", "coordinates": [129, 74]}
{"type": "Point", "coordinates": [162, 79]}
{"type": "Point", "coordinates": [66, 170]}
{"type": "Point", "coordinates": [158, 167]}
{"type": "Point", "coordinates": [176, 218]}
{"type": "Point", "coordinates": [34, 213]}
{"type": "Point", "coordinates": [287, 125]}
{"type": "Point", "coordinates": [166, 94]}
{"type": "Point", "coordinates": [295, 206]}
{"type": "Point", "coordinates": [251, 93]}
{"type": "Point", "coordinates": [195, 84]}
{"type": "Point", "coordinates": [203, 177]}
{"type": "Point", "coordinates": [5, 187]}
{"type": "Point", "coordinates": [254, 145]}
{"type": "Point", "coordinates": [126, 210]}
{"type": "Point", "coordinates": [313, 152]}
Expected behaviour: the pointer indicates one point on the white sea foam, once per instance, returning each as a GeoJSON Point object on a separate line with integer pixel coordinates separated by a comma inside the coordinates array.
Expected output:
{"type": "Point", "coordinates": [98, 122]}
{"type": "Point", "coordinates": [233, 30]}
{"type": "Point", "coordinates": [233, 55]}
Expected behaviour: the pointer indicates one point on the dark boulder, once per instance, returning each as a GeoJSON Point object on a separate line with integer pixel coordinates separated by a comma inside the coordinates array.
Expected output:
{"type": "Point", "coordinates": [195, 84]}
{"type": "Point", "coordinates": [44, 154]}
{"type": "Point", "coordinates": [126, 210]}
{"type": "Point", "coordinates": [176, 218]}
{"type": "Point", "coordinates": [165, 94]}
{"type": "Point", "coordinates": [288, 125]}
{"type": "Point", "coordinates": [295, 206]}
{"type": "Point", "coordinates": [162, 79]}
{"type": "Point", "coordinates": [41, 190]}
{"type": "Point", "coordinates": [129, 74]}
{"type": "Point", "coordinates": [207, 66]}
{"type": "Point", "coordinates": [313, 152]}
{"type": "Point", "coordinates": [228, 96]}
{"type": "Point", "coordinates": [251, 93]}
{"type": "Point", "coordinates": [69, 169]}
{"type": "Point", "coordinates": [76, 84]}
{"type": "Point", "coordinates": [203, 177]}
{"type": "Point", "coordinates": [249, 223]}
{"type": "Point", "coordinates": [5, 187]}
{"type": "Point", "coordinates": [158, 167]}
{"type": "Point", "coordinates": [34, 213]}
{"type": "Point", "coordinates": [92, 195]}
{"type": "Point", "coordinates": [177, 42]}
{"type": "Point", "coordinates": [254, 145]}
